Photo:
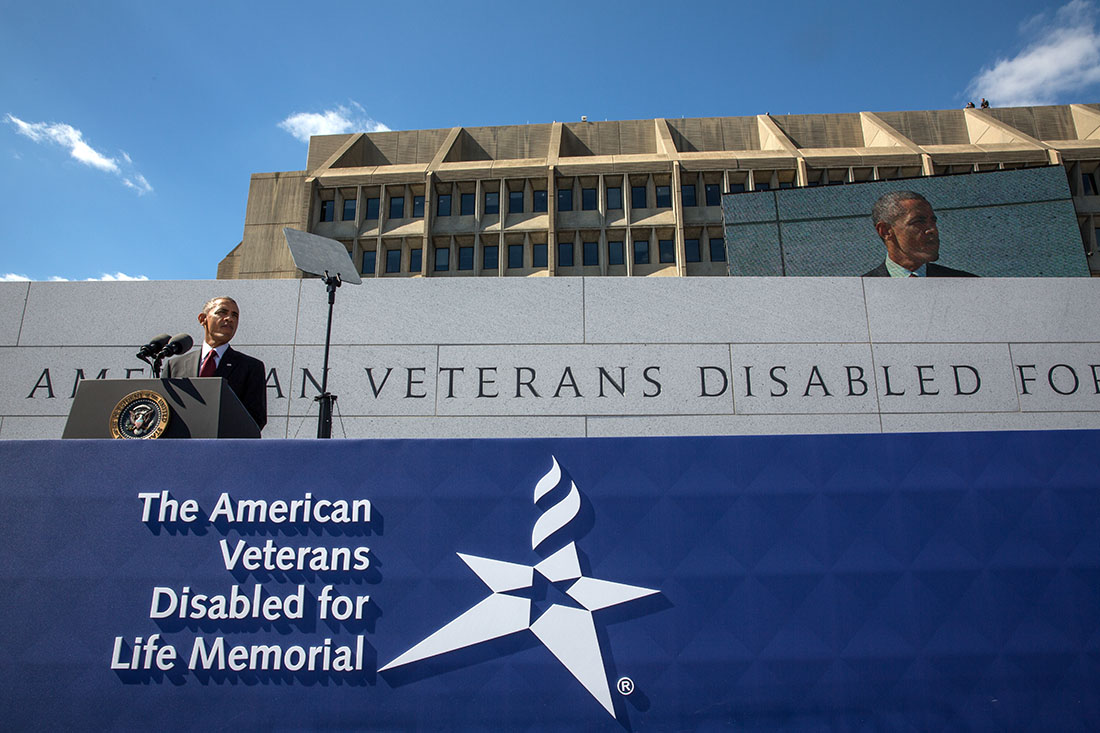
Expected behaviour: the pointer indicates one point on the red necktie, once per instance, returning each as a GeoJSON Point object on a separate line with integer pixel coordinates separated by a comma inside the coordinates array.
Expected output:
{"type": "Point", "coordinates": [208, 364]}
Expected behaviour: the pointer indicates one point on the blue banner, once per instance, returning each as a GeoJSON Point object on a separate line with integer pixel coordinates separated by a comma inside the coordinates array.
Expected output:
{"type": "Point", "coordinates": [794, 582]}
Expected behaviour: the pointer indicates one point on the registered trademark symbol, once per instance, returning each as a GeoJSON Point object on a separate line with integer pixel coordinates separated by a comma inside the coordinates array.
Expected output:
{"type": "Point", "coordinates": [625, 685]}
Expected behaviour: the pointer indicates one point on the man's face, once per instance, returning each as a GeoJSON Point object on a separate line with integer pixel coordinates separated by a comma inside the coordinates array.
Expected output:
{"type": "Point", "coordinates": [913, 239]}
{"type": "Point", "coordinates": [220, 322]}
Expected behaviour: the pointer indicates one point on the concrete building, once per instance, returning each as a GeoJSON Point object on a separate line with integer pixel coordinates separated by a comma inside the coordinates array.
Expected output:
{"type": "Point", "coordinates": [633, 198]}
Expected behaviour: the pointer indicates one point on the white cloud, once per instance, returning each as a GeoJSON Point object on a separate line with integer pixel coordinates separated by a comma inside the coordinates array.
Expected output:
{"type": "Point", "coordinates": [138, 183]}
{"type": "Point", "coordinates": [72, 139]}
{"type": "Point", "coordinates": [66, 136]}
{"type": "Point", "coordinates": [336, 121]}
{"type": "Point", "coordinates": [1062, 58]}
{"type": "Point", "coordinates": [118, 277]}
{"type": "Point", "coordinates": [105, 277]}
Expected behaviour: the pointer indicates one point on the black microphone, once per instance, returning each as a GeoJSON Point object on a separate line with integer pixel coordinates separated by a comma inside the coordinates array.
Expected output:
{"type": "Point", "coordinates": [155, 344]}
{"type": "Point", "coordinates": [180, 343]}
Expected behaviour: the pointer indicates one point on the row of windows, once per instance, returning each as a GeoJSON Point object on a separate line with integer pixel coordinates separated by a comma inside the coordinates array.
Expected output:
{"type": "Point", "coordinates": [589, 255]}
{"type": "Point", "coordinates": [639, 195]}
{"type": "Point", "coordinates": [397, 209]}
{"type": "Point", "coordinates": [712, 196]}
{"type": "Point", "coordinates": [492, 203]}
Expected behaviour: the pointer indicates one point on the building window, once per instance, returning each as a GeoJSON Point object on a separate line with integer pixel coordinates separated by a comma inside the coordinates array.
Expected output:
{"type": "Point", "coordinates": [492, 202]}
{"type": "Point", "coordinates": [565, 254]}
{"type": "Point", "coordinates": [349, 210]}
{"type": "Point", "coordinates": [713, 192]}
{"type": "Point", "coordinates": [737, 188]}
{"type": "Point", "coordinates": [397, 207]}
{"type": "Point", "coordinates": [687, 194]}
{"type": "Point", "coordinates": [393, 260]}
{"type": "Point", "coordinates": [418, 207]}
{"type": "Point", "coordinates": [565, 199]}
{"type": "Point", "coordinates": [615, 253]}
{"type": "Point", "coordinates": [591, 254]}
{"type": "Point", "coordinates": [664, 197]}
{"type": "Point", "coordinates": [691, 250]}
{"type": "Point", "coordinates": [762, 187]}
{"type": "Point", "coordinates": [614, 198]}
{"type": "Point", "coordinates": [416, 260]}
{"type": "Point", "coordinates": [443, 205]}
{"type": "Point", "coordinates": [538, 200]}
{"type": "Point", "coordinates": [369, 259]}
{"type": "Point", "coordinates": [442, 259]}
{"type": "Point", "coordinates": [466, 204]}
{"type": "Point", "coordinates": [1088, 185]}
{"type": "Point", "coordinates": [717, 249]}
{"type": "Point", "coordinates": [515, 202]}
{"type": "Point", "coordinates": [490, 257]}
{"type": "Point", "coordinates": [538, 255]}
{"type": "Point", "coordinates": [465, 258]}
{"type": "Point", "coordinates": [588, 199]}
{"type": "Point", "coordinates": [372, 209]}
{"type": "Point", "coordinates": [327, 209]}
{"type": "Point", "coordinates": [641, 251]}
{"type": "Point", "coordinates": [637, 197]}
{"type": "Point", "coordinates": [666, 250]}
{"type": "Point", "coordinates": [515, 256]}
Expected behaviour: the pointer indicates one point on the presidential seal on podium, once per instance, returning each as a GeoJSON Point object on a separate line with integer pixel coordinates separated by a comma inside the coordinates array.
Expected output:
{"type": "Point", "coordinates": [140, 415]}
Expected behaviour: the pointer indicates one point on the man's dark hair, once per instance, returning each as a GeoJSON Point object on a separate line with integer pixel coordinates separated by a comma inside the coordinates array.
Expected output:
{"type": "Point", "coordinates": [209, 305]}
{"type": "Point", "coordinates": [888, 207]}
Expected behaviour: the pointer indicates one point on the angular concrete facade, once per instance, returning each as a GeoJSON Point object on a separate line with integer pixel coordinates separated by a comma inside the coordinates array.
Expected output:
{"type": "Point", "coordinates": [621, 198]}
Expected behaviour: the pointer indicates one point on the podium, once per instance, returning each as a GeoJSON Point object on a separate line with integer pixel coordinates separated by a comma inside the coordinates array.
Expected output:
{"type": "Point", "coordinates": [199, 407]}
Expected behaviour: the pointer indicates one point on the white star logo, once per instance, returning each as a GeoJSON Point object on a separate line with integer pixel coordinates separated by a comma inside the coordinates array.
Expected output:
{"type": "Point", "coordinates": [569, 633]}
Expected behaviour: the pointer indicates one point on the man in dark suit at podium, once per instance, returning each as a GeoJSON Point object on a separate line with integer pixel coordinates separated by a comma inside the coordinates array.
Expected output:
{"type": "Point", "coordinates": [245, 375]}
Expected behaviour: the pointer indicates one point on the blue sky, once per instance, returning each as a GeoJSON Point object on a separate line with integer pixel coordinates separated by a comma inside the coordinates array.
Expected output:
{"type": "Point", "coordinates": [128, 130]}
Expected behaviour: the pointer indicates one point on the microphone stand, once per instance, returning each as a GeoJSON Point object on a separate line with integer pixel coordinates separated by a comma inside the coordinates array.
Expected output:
{"type": "Point", "coordinates": [326, 400]}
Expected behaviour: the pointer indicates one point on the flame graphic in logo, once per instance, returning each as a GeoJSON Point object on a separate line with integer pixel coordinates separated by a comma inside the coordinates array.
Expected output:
{"type": "Point", "coordinates": [569, 633]}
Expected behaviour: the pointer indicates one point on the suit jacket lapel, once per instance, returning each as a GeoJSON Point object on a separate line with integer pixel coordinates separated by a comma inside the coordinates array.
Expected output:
{"type": "Point", "coordinates": [192, 362]}
{"type": "Point", "coordinates": [228, 361]}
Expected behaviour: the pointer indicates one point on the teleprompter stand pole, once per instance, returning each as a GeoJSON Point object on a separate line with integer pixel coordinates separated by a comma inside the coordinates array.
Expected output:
{"type": "Point", "coordinates": [326, 400]}
{"type": "Point", "coordinates": [329, 260]}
